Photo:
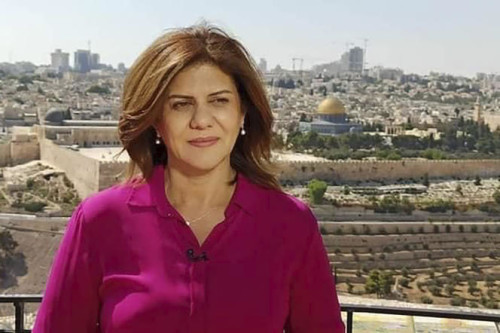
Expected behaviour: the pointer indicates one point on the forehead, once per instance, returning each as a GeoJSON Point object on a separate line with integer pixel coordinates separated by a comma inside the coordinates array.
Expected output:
{"type": "Point", "coordinates": [200, 79]}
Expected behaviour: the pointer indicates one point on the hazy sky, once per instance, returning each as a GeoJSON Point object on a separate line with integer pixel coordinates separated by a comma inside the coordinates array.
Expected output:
{"type": "Point", "coordinates": [452, 36]}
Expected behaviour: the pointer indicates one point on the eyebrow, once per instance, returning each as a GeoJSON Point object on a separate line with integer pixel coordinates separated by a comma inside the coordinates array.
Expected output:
{"type": "Point", "coordinates": [191, 97]}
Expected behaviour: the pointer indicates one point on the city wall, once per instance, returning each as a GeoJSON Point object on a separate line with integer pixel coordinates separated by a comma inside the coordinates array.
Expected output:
{"type": "Point", "coordinates": [5, 154]}
{"type": "Point", "coordinates": [348, 171]}
{"type": "Point", "coordinates": [23, 152]}
{"type": "Point", "coordinates": [83, 171]}
{"type": "Point", "coordinates": [14, 152]}
{"type": "Point", "coordinates": [111, 173]}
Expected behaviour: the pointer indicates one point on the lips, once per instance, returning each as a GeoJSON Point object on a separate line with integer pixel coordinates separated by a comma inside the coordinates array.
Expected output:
{"type": "Point", "coordinates": [205, 139]}
{"type": "Point", "coordinates": [204, 142]}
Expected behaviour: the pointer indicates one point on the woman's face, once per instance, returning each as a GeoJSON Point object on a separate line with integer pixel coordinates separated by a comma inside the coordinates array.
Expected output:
{"type": "Point", "coordinates": [201, 103]}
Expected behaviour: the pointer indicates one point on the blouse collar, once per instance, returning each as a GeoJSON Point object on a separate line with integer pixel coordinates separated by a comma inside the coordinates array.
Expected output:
{"type": "Point", "coordinates": [152, 194]}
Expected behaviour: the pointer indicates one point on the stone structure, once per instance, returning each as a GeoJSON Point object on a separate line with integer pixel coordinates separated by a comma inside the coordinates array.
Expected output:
{"type": "Point", "coordinates": [23, 147]}
{"type": "Point", "coordinates": [331, 119]}
{"type": "Point", "coordinates": [341, 171]}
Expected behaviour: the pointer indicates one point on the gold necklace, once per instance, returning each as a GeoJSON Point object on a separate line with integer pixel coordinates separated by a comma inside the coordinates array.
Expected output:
{"type": "Point", "coordinates": [196, 219]}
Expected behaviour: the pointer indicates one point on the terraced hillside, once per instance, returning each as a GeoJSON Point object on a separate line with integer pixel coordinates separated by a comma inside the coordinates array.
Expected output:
{"type": "Point", "coordinates": [38, 240]}
{"type": "Point", "coordinates": [440, 263]}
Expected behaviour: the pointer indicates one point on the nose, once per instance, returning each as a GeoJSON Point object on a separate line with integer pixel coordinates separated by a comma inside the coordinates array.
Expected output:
{"type": "Point", "coordinates": [202, 117]}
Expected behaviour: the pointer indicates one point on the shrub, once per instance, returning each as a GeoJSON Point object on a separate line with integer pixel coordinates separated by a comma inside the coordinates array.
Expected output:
{"type": "Point", "coordinates": [404, 282]}
{"type": "Point", "coordinates": [437, 206]}
{"type": "Point", "coordinates": [316, 189]}
{"type": "Point", "coordinates": [29, 183]}
{"type": "Point", "coordinates": [496, 196]}
{"type": "Point", "coordinates": [491, 304]}
{"type": "Point", "coordinates": [457, 301]}
{"type": "Point", "coordinates": [435, 290]}
{"type": "Point", "coordinates": [426, 299]}
{"type": "Point", "coordinates": [338, 231]}
{"type": "Point", "coordinates": [34, 206]}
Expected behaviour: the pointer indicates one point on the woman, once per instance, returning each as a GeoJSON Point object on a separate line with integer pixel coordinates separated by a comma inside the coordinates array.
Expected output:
{"type": "Point", "coordinates": [202, 239]}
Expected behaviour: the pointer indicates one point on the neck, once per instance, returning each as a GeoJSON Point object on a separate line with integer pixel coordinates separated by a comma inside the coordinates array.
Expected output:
{"type": "Point", "coordinates": [201, 191]}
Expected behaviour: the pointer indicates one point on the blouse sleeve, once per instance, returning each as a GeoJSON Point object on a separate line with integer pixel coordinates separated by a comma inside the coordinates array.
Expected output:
{"type": "Point", "coordinates": [314, 307]}
{"type": "Point", "coordinates": [71, 302]}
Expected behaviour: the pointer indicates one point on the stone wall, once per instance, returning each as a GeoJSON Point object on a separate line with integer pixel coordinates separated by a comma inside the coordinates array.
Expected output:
{"type": "Point", "coordinates": [111, 173]}
{"type": "Point", "coordinates": [22, 152]}
{"type": "Point", "coordinates": [83, 171]}
{"type": "Point", "coordinates": [339, 171]}
{"type": "Point", "coordinates": [412, 245]}
{"type": "Point", "coordinates": [5, 154]}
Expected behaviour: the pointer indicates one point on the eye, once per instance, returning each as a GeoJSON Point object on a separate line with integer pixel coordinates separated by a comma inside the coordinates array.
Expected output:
{"type": "Point", "coordinates": [221, 100]}
{"type": "Point", "coordinates": [180, 105]}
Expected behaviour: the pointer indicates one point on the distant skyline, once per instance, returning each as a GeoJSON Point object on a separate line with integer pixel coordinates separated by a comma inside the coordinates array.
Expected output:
{"type": "Point", "coordinates": [456, 37]}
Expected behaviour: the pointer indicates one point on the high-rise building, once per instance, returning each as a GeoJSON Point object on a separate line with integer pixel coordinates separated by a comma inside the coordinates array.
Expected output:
{"type": "Point", "coordinates": [60, 60]}
{"type": "Point", "coordinates": [83, 61]}
{"type": "Point", "coordinates": [263, 65]}
{"type": "Point", "coordinates": [121, 67]}
{"type": "Point", "coordinates": [352, 60]}
{"type": "Point", "coordinates": [95, 61]}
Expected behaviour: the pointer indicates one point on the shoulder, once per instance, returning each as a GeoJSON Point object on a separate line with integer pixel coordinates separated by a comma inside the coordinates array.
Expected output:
{"type": "Point", "coordinates": [108, 202]}
{"type": "Point", "coordinates": [295, 213]}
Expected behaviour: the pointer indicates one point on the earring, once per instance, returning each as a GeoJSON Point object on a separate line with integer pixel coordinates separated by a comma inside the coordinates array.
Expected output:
{"type": "Point", "coordinates": [243, 132]}
{"type": "Point", "coordinates": [157, 139]}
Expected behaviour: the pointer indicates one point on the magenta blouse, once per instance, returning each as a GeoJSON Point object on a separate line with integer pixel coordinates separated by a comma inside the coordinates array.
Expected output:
{"type": "Point", "coordinates": [128, 263]}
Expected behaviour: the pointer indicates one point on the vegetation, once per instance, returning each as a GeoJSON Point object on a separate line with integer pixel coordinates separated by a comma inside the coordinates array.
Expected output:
{"type": "Point", "coordinates": [474, 141]}
{"type": "Point", "coordinates": [316, 189]}
{"type": "Point", "coordinates": [379, 282]}
{"type": "Point", "coordinates": [12, 263]}
{"type": "Point", "coordinates": [393, 204]}
{"type": "Point", "coordinates": [101, 90]}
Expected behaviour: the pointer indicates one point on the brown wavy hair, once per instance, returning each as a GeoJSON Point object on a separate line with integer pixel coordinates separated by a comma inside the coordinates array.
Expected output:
{"type": "Point", "coordinates": [154, 69]}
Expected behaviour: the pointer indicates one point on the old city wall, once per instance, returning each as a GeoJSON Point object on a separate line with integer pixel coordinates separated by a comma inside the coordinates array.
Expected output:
{"type": "Point", "coordinates": [22, 152]}
{"type": "Point", "coordinates": [5, 154]}
{"type": "Point", "coordinates": [82, 170]}
{"type": "Point", "coordinates": [111, 173]}
{"type": "Point", "coordinates": [386, 170]}
{"type": "Point", "coordinates": [13, 153]}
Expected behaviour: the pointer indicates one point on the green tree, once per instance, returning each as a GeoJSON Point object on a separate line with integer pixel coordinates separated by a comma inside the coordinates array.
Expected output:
{"type": "Point", "coordinates": [316, 189]}
{"type": "Point", "coordinates": [12, 263]}
{"type": "Point", "coordinates": [379, 283]}
{"type": "Point", "coordinates": [496, 196]}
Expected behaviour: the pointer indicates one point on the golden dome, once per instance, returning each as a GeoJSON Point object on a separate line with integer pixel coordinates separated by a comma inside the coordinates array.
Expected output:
{"type": "Point", "coordinates": [331, 105]}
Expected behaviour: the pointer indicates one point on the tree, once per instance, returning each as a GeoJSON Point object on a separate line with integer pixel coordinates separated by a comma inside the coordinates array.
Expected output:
{"type": "Point", "coordinates": [12, 263]}
{"type": "Point", "coordinates": [316, 189]}
{"type": "Point", "coordinates": [450, 289]}
{"type": "Point", "coordinates": [496, 196]}
{"type": "Point", "coordinates": [379, 283]}
{"type": "Point", "coordinates": [426, 182]}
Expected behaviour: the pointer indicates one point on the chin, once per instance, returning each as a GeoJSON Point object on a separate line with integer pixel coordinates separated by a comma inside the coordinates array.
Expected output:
{"type": "Point", "coordinates": [205, 163]}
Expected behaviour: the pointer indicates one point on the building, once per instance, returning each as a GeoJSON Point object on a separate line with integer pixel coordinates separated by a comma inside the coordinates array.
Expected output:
{"type": "Point", "coordinates": [352, 60]}
{"type": "Point", "coordinates": [60, 61]}
{"type": "Point", "coordinates": [60, 126]}
{"type": "Point", "coordinates": [263, 65]}
{"type": "Point", "coordinates": [331, 119]}
{"type": "Point", "coordinates": [95, 61]}
{"type": "Point", "coordinates": [490, 118]}
{"type": "Point", "coordinates": [83, 61]}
